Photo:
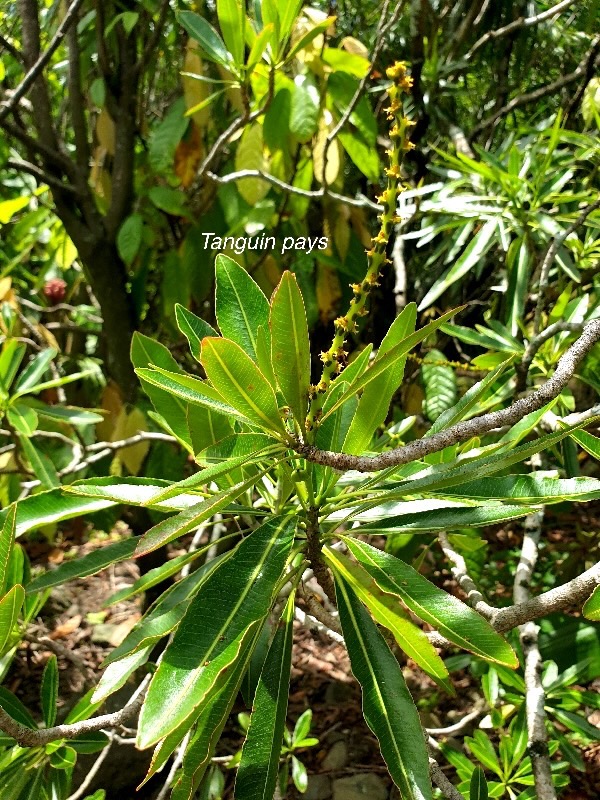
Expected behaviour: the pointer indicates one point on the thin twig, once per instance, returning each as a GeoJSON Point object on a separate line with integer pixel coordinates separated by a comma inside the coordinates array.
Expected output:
{"type": "Point", "coordinates": [462, 577]}
{"type": "Point", "coordinates": [549, 256]}
{"type": "Point", "coordinates": [313, 194]}
{"type": "Point", "coordinates": [449, 791]}
{"type": "Point", "coordinates": [537, 94]}
{"type": "Point", "coordinates": [517, 24]}
{"type": "Point", "coordinates": [462, 431]}
{"type": "Point", "coordinates": [30, 78]}
{"type": "Point", "coordinates": [92, 772]}
{"type": "Point", "coordinates": [28, 737]}
{"type": "Point", "coordinates": [537, 737]}
{"type": "Point", "coordinates": [534, 344]}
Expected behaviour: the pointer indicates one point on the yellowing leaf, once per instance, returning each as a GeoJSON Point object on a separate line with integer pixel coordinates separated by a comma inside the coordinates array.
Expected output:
{"type": "Point", "coordinates": [250, 155]}
{"type": "Point", "coordinates": [328, 169]}
{"type": "Point", "coordinates": [195, 91]}
{"type": "Point", "coordinates": [355, 47]}
{"type": "Point", "coordinates": [5, 287]}
{"type": "Point", "coordinates": [112, 404]}
{"type": "Point", "coordinates": [188, 156]}
{"type": "Point", "coordinates": [329, 292]}
{"type": "Point", "coordinates": [105, 131]}
{"type": "Point", "coordinates": [8, 208]}
{"type": "Point", "coordinates": [128, 425]}
{"type": "Point", "coordinates": [66, 252]}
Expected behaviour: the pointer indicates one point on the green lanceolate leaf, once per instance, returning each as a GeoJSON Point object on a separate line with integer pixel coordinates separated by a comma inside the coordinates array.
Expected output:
{"type": "Point", "coordinates": [164, 614]}
{"type": "Point", "coordinates": [390, 359]}
{"type": "Point", "coordinates": [387, 705]}
{"type": "Point", "coordinates": [232, 19]}
{"type": "Point", "coordinates": [439, 381]}
{"type": "Point", "coordinates": [478, 788]}
{"type": "Point", "coordinates": [240, 304]}
{"type": "Point", "coordinates": [452, 618]}
{"type": "Point", "coordinates": [190, 518]}
{"type": "Point", "coordinates": [49, 691]}
{"type": "Point", "coordinates": [87, 565]}
{"type": "Point", "coordinates": [43, 468]}
{"type": "Point", "coordinates": [188, 389]}
{"type": "Point", "coordinates": [377, 396]}
{"type": "Point", "coordinates": [7, 541]}
{"type": "Point", "coordinates": [10, 606]}
{"type": "Point", "coordinates": [401, 517]}
{"type": "Point", "coordinates": [591, 609]}
{"type": "Point", "coordinates": [208, 639]}
{"type": "Point", "coordinates": [211, 721]}
{"type": "Point", "coordinates": [529, 489]}
{"type": "Point", "coordinates": [290, 347]}
{"type": "Point", "coordinates": [236, 377]}
{"type": "Point", "coordinates": [259, 765]}
{"type": "Point", "coordinates": [116, 675]}
{"type": "Point", "coordinates": [193, 328]}
{"type": "Point", "coordinates": [387, 612]}
{"type": "Point", "coordinates": [209, 40]}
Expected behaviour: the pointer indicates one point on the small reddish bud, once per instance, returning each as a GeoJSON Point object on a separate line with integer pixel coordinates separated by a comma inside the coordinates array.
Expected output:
{"type": "Point", "coordinates": [54, 290]}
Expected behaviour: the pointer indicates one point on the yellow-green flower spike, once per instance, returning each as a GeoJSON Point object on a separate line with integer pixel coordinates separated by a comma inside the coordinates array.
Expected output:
{"type": "Point", "coordinates": [334, 359]}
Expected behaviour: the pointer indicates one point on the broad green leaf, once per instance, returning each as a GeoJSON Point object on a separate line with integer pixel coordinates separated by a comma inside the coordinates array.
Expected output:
{"type": "Point", "coordinates": [132, 491]}
{"type": "Point", "coordinates": [91, 742]}
{"type": "Point", "coordinates": [232, 21]}
{"type": "Point", "coordinates": [164, 138]}
{"type": "Point", "coordinates": [251, 155]}
{"type": "Point", "coordinates": [211, 721]}
{"type": "Point", "coordinates": [49, 691]}
{"type": "Point", "coordinates": [87, 565]}
{"type": "Point", "coordinates": [390, 359]}
{"type": "Point", "coordinates": [15, 708]}
{"type": "Point", "coordinates": [288, 12]}
{"type": "Point", "coordinates": [259, 765]}
{"type": "Point", "coordinates": [209, 40]}
{"type": "Point", "coordinates": [591, 609]}
{"type": "Point", "coordinates": [478, 789]}
{"type": "Point", "coordinates": [13, 353]}
{"type": "Point", "coordinates": [7, 541]}
{"type": "Point", "coordinates": [452, 618]}
{"type": "Point", "coordinates": [208, 639]}
{"type": "Point", "coordinates": [22, 418]}
{"type": "Point", "coordinates": [169, 404]}
{"type": "Point", "coordinates": [442, 476]}
{"type": "Point", "coordinates": [236, 377]}
{"type": "Point", "coordinates": [224, 466]}
{"type": "Point", "coordinates": [473, 253]}
{"type": "Point", "coordinates": [10, 606]}
{"type": "Point", "coordinates": [43, 468]}
{"type": "Point", "coordinates": [130, 237]}
{"type": "Point", "coordinates": [188, 519]}
{"type": "Point", "coordinates": [207, 426]}
{"type": "Point", "coordinates": [363, 155]}
{"type": "Point", "coordinates": [240, 304]}
{"type": "Point", "coordinates": [290, 347]}
{"type": "Point", "coordinates": [115, 675]}
{"type": "Point", "coordinates": [387, 705]}
{"type": "Point", "coordinates": [519, 265]}
{"type": "Point", "coordinates": [34, 371]}
{"type": "Point", "coordinates": [235, 447]}
{"type": "Point", "coordinates": [263, 354]}
{"type": "Point", "coordinates": [309, 36]}
{"type": "Point", "coordinates": [375, 400]}
{"type": "Point", "coordinates": [164, 614]}
{"type": "Point", "coordinates": [470, 401]}
{"type": "Point", "coordinates": [193, 328]}
{"type": "Point", "coordinates": [589, 442]}
{"type": "Point", "coordinates": [259, 46]}
{"type": "Point", "coordinates": [439, 381]}
{"type": "Point", "coordinates": [63, 758]}
{"type": "Point", "coordinates": [436, 519]}
{"type": "Point", "coordinates": [528, 489]}
{"type": "Point", "coordinates": [46, 508]}
{"type": "Point", "coordinates": [70, 414]}
{"type": "Point", "coordinates": [304, 110]}
{"type": "Point", "coordinates": [190, 390]}
{"type": "Point", "coordinates": [387, 612]}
